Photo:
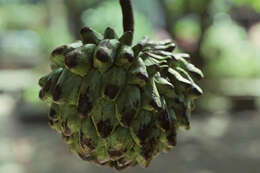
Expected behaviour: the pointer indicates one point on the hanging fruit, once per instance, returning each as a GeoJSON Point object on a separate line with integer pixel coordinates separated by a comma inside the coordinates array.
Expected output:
{"type": "Point", "coordinates": [116, 104]}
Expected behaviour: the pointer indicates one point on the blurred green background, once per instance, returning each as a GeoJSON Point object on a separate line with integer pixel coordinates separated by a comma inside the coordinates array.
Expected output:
{"type": "Point", "coordinates": [222, 36]}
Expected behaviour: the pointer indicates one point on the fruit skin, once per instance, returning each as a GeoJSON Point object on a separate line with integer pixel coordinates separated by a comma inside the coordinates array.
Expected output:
{"type": "Point", "coordinates": [119, 105]}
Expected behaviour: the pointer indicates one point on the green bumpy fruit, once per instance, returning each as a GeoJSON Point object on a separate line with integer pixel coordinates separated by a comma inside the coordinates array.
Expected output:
{"type": "Point", "coordinates": [116, 104]}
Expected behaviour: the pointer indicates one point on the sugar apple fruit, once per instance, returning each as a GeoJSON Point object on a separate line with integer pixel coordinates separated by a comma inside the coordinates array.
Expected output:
{"type": "Point", "coordinates": [116, 104]}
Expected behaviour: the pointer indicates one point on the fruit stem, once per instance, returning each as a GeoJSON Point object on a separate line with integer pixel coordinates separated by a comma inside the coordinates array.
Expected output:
{"type": "Point", "coordinates": [128, 15]}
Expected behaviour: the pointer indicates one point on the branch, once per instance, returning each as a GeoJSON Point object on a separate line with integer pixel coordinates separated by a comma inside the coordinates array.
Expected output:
{"type": "Point", "coordinates": [128, 15]}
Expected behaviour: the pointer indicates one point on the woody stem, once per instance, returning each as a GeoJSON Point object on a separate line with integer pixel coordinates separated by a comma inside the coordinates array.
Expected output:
{"type": "Point", "coordinates": [128, 15]}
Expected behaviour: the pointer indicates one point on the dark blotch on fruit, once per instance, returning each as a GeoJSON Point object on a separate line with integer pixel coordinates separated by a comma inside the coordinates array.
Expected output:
{"type": "Point", "coordinates": [172, 138]}
{"type": "Point", "coordinates": [195, 91]}
{"type": "Point", "coordinates": [41, 94]}
{"type": "Point", "coordinates": [84, 106]}
{"type": "Point", "coordinates": [86, 158]}
{"type": "Point", "coordinates": [143, 133]}
{"type": "Point", "coordinates": [149, 149]}
{"type": "Point", "coordinates": [65, 138]}
{"type": "Point", "coordinates": [129, 57]}
{"type": "Point", "coordinates": [47, 86]}
{"type": "Point", "coordinates": [177, 100]}
{"type": "Point", "coordinates": [60, 50]}
{"type": "Point", "coordinates": [51, 123]}
{"type": "Point", "coordinates": [172, 135]}
{"type": "Point", "coordinates": [122, 161]}
{"type": "Point", "coordinates": [66, 129]}
{"type": "Point", "coordinates": [142, 77]}
{"type": "Point", "coordinates": [114, 154]}
{"type": "Point", "coordinates": [128, 117]}
{"type": "Point", "coordinates": [111, 91]}
{"type": "Point", "coordinates": [86, 142]}
{"type": "Point", "coordinates": [85, 30]}
{"type": "Point", "coordinates": [154, 105]}
{"type": "Point", "coordinates": [52, 114]}
{"type": "Point", "coordinates": [170, 48]}
{"type": "Point", "coordinates": [104, 128]}
{"type": "Point", "coordinates": [112, 164]}
{"type": "Point", "coordinates": [71, 59]}
{"type": "Point", "coordinates": [102, 56]}
{"type": "Point", "coordinates": [56, 93]}
{"type": "Point", "coordinates": [138, 48]}
{"type": "Point", "coordinates": [147, 152]}
{"type": "Point", "coordinates": [164, 119]}
{"type": "Point", "coordinates": [185, 117]}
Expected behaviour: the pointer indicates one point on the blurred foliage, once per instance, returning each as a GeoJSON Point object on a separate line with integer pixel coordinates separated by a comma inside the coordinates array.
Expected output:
{"type": "Point", "coordinates": [187, 28]}
{"type": "Point", "coordinates": [228, 51]}
{"type": "Point", "coordinates": [12, 18]}
{"type": "Point", "coordinates": [180, 6]}
{"type": "Point", "coordinates": [19, 46]}
{"type": "Point", "coordinates": [30, 93]}
{"type": "Point", "coordinates": [27, 33]}
{"type": "Point", "coordinates": [255, 4]}
{"type": "Point", "coordinates": [112, 17]}
{"type": "Point", "coordinates": [220, 42]}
